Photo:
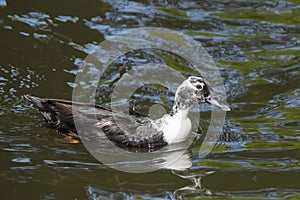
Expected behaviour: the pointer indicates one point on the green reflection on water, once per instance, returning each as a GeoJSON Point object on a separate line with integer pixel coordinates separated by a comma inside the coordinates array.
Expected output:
{"type": "Point", "coordinates": [273, 144]}
{"type": "Point", "coordinates": [173, 63]}
{"type": "Point", "coordinates": [218, 164]}
{"type": "Point", "coordinates": [285, 17]}
{"type": "Point", "coordinates": [268, 164]}
{"type": "Point", "coordinates": [174, 12]}
{"type": "Point", "coordinates": [179, 39]}
{"type": "Point", "coordinates": [205, 33]}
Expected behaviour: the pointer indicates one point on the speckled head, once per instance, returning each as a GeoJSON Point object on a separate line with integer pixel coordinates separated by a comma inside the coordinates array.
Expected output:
{"type": "Point", "coordinates": [199, 86]}
{"type": "Point", "coordinates": [195, 90]}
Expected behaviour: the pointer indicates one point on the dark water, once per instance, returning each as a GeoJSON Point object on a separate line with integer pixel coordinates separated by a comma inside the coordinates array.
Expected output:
{"type": "Point", "coordinates": [256, 46]}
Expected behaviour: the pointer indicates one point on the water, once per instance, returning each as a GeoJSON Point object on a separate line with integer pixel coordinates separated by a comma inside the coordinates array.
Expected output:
{"type": "Point", "coordinates": [255, 44]}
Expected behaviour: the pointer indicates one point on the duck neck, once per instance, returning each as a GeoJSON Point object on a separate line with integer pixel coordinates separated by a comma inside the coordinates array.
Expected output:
{"type": "Point", "coordinates": [180, 109]}
{"type": "Point", "coordinates": [183, 102]}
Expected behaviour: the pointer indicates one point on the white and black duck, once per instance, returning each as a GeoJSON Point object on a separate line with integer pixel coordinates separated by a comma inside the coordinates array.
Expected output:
{"type": "Point", "coordinates": [144, 132]}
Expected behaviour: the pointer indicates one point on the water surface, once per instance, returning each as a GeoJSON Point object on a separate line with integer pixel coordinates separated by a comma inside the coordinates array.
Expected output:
{"type": "Point", "coordinates": [256, 46]}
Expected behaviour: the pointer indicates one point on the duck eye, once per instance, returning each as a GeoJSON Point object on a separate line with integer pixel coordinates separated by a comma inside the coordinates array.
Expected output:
{"type": "Point", "coordinates": [199, 87]}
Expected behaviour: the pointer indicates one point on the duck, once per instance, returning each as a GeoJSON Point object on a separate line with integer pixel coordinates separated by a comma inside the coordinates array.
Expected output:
{"type": "Point", "coordinates": [143, 132]}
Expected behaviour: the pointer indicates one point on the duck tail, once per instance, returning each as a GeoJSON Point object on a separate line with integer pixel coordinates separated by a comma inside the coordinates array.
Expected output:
{"type": "Point", "coordinates": [46, 107]}
{"type": "Point", "coordinates": [37, 102]}
{"type": "Point", "coordinates": [57, 113]}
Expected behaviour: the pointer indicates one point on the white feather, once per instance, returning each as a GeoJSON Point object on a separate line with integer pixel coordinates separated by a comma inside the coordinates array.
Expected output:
{"type": "Point", "coordinates": [175, 128]}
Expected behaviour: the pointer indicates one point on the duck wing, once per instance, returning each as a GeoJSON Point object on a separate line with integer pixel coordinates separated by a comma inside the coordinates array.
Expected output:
{"type": "Point", "coordinates": [123, 129]}
{"type": "Point", "coordinates": [128, 131]}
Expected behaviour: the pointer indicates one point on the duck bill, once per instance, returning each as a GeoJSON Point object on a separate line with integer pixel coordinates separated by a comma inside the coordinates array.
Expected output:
{"type": "Point", "coordinates": [216, 103]}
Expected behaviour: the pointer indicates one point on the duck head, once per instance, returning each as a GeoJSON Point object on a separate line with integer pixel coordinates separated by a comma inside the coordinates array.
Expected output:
{"type": "Point", "coordinates": [194, 90]}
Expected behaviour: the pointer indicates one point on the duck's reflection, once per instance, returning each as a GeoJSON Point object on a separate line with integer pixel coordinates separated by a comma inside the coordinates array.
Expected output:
{"type": "Point", "coordinates": [137, 183]}
{"type": "Point", "coordinates": [130, 189]}
{"type": "Point", "coordinates": [196, 189]}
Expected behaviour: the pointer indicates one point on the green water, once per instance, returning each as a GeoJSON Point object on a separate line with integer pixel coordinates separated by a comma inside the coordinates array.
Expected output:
{"type": "Point", "coordinates": [256, 46]}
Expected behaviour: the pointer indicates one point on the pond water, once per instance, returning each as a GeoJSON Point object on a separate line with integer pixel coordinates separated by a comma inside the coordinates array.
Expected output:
{"type": "Point", "coordinates": [256, 46]}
